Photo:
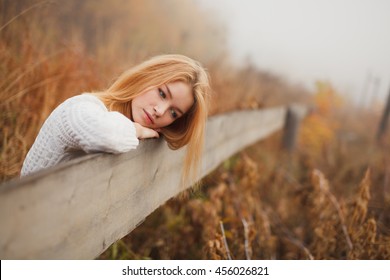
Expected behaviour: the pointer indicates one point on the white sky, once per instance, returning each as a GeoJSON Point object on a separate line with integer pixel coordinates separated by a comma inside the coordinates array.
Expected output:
{"type": "Point", "coordinates": [346, 42]}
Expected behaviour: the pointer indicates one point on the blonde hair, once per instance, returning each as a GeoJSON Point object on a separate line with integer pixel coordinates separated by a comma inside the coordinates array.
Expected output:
{"type": "Point", "coordinates": [190, 128]}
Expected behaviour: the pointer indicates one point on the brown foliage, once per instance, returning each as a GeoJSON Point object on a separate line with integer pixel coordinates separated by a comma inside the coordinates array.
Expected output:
{"type": "Point", "coordinates": [236, 217]}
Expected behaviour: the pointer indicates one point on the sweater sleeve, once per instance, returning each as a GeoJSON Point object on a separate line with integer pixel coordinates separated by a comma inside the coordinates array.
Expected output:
{"type": "Point", "coordinates": [87, 124]}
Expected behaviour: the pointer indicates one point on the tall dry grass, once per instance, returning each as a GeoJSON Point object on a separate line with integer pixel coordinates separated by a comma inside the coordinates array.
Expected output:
{"type": "Point", "coordinates": [37, 73]}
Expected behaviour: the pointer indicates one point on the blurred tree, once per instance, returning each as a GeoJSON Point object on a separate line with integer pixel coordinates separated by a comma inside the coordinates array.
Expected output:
{"type": "Point", "coordinates": [319, 128]}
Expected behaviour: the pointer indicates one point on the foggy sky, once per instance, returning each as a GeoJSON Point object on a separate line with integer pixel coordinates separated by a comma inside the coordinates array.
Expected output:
{"type": "Point", "coordinates": [346, 42]}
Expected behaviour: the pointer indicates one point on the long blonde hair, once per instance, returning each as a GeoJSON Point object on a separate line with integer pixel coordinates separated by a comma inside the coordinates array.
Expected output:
{"type": "Point", "coordinates": [190, 128]}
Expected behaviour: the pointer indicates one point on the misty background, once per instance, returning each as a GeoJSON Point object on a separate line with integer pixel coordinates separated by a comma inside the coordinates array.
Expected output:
{"type": "Point", "coordinates": [346, 43]}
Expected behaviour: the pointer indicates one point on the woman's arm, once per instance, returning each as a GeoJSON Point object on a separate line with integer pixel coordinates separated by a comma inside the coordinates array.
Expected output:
{"type": "Point", "coordinates": [86, 124]}
{"type": "Point", "coordinates": [80, 123]}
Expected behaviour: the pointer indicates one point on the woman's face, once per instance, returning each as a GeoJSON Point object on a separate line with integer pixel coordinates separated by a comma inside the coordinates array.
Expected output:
{"type": "Point", "coordinates": [161, 106]}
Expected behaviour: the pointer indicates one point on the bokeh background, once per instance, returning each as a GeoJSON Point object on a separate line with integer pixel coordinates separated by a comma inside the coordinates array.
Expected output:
{"type": "Point", "coordinates": [329, 199]}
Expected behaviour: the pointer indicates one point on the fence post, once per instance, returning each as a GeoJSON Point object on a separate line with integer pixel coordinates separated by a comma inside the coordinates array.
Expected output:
{"type": "Point", "coordinates": [293, 118]}
{"type": "Point", "coordinates": [384, 121]}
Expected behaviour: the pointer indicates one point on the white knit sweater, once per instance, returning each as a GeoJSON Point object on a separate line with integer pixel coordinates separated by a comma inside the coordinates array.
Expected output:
{"type": "Point", "coordinates": [80, 125]}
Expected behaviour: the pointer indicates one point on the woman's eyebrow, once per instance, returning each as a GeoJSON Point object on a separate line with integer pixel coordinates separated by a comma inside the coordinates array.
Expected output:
{"type": "Point", "coordinates": [170, 95]}
{"type": "Point", "coordinates": [169, 91]}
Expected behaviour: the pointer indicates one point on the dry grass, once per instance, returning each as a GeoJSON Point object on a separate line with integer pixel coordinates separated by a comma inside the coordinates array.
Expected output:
{"type": "Point", "coordinates": [266, 206]}
{"type": "Point", "coordinates": [30, 89]}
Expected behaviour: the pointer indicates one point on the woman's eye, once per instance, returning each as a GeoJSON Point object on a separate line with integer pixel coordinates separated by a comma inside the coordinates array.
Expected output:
{"type": "Point", "coordinates": [173, 114]}
{"type": "Point", "coordinates": [162, 93]}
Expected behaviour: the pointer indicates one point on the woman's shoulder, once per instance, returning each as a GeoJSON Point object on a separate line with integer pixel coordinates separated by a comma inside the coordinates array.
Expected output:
{"type": "Point", "coordinates": [87, 99]}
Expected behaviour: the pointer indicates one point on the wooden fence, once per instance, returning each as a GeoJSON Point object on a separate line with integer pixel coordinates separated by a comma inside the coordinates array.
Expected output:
{"type": "Point", "coordinates": [78, 209]}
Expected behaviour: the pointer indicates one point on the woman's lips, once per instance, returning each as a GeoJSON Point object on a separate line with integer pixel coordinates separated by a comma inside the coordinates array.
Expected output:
{"type": "Point", "coordinates": [149, 117]}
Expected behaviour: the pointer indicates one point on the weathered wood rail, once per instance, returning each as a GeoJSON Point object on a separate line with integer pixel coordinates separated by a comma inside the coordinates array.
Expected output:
{"type": "Point", "coordinates": [78, 209]}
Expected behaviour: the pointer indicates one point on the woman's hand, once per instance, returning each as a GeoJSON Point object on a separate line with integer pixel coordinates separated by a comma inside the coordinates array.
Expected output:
{"type": "Point", "coordinates": [145, 132]}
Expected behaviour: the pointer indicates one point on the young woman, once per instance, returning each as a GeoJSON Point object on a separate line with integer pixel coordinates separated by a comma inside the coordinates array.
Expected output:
{"type": "Point", "coordinates": [167, 94]}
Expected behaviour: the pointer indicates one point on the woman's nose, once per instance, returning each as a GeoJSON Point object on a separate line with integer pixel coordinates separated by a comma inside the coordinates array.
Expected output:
{"type": "Point", "coordinates": [160, 109]}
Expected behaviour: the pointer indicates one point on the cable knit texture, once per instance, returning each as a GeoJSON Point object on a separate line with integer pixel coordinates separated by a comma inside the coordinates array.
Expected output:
{"type": "Point", "coordinates": [80, 125]}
